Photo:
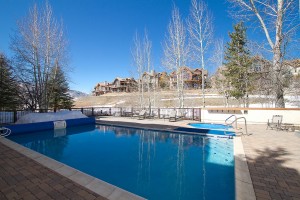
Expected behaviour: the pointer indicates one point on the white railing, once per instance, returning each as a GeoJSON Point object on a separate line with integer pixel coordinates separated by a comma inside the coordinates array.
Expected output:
{"type": "Point", "coordinates": [4, 132]}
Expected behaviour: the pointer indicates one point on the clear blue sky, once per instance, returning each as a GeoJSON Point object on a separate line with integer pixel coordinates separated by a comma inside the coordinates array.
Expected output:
{"type": "Point", "coordinates": [100, 32]}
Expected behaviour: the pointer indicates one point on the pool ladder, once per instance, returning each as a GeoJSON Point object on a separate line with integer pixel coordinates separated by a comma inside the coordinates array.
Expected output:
{"type": "Point", "coordinates": [238, 133]}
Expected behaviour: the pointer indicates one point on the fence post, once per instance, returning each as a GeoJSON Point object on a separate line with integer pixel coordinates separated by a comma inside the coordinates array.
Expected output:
{"type": "Point", "coordinates": [158, 113]}
{"type": "Point", "coordinates": [15, 116]}
{"type": "Point", "coordinates": [110, 111]}
{"type": "Point", "coordinates": [200, 114]}
{"type": "Point", "coordinates": [120, 112]}
{"type": "Point", "coordinates": [82, 110]}
{"type": "Point", "coordinates": [193, 115]}
{"type": "Point", "coordinates": [92, 111]}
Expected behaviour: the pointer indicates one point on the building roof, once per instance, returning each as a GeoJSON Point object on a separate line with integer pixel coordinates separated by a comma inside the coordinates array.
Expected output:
{"type": "Point", "coordinates": [293, 63]}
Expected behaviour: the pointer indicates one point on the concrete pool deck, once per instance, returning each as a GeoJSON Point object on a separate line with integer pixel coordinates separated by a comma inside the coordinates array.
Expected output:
{"type": "Point", "coordinates": [23, 178]}
{"type": "Point", "coordinates": [273, 158]}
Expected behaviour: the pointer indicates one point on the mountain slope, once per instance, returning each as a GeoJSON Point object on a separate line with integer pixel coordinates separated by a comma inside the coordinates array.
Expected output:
{"type": "Point", "coordinates": [77, 94]}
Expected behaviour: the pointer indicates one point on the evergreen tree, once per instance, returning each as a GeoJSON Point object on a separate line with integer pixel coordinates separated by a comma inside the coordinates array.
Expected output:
{"type": "Point", "coordinates": [9, 88]}
{"type": "Point", "coordinates": [58, 90]}
{"type": "Point", "coordinates": [238, 63]}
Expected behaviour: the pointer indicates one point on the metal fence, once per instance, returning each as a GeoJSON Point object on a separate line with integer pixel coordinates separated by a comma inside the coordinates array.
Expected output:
{"type": "Point", "coordinates": [184, 113]}
{"type": "Point", "coordinates": [9, 117]}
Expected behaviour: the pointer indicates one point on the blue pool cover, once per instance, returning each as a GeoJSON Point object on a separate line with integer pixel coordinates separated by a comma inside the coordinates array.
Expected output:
{"type": "Point", "coordinates": [43, 126]}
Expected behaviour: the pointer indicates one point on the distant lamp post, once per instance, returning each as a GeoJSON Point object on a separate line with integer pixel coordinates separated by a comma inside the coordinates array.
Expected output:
{"type": "Point", "coordinates": [226, 97]}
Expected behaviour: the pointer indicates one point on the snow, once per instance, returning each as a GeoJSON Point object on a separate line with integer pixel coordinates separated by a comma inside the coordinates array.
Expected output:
{"type": "Point", "coordinates": [110, 105]}
{"type": "Point", "coordinates": [45, 117]}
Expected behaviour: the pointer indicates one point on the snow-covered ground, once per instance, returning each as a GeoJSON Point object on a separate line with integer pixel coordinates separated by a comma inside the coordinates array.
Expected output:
{"type": "Point", "coordinates": [109, 105]}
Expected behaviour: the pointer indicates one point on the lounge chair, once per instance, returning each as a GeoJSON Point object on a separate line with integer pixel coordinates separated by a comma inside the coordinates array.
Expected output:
{"type": "Point", "coordinates": [150, 116]}
{"type": "Point", "coordinates": [181, 115]}
{"type": "Point", "coordinates": [275, 122]}
{"type": "Point", "coordinates": [142, 114]}
{"type": "Point", "coordinates": [135, 114]}
{"type": "Point", "coordinates": [172, 116]}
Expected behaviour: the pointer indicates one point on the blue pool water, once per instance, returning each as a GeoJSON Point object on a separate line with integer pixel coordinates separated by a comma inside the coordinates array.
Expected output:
{"type": "Point", "coordinates": [152, 164]}
{"type": "Point", "coordinates": [210, 126]}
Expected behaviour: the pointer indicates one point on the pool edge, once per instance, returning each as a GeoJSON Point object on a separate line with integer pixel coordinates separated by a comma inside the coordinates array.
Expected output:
{"type": "Point", "coordinates": [93, 184]}
{"type": "Point", "coordinates": [243, 183]}
{"type": "Point", "coordinates": [169, 130]}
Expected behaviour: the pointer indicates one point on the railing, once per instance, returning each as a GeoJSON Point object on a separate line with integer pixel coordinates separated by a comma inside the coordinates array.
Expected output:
{"type": "Point", "coordinates": [245, 124]}
{"type": "Point", "coordinates": [235, 121]}
{"type": "Point", "coordinates": [226, 120]}
{"type": "Point", "coordinates": [4, 132]}
{"type": "Point", "coordinates": [184, 113]}
{"type": "Point", "coordinates": [11, 116]}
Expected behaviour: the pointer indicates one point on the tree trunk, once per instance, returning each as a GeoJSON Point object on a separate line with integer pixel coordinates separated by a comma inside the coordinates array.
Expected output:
{"type": "Point", "coordinates": [279, 102]}
{"type": "Point", "coordinates": [277, 77]}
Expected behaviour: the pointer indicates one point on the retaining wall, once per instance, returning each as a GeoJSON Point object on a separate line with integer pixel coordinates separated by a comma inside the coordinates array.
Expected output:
{"type": "Point", "coordinates": [252, 115]}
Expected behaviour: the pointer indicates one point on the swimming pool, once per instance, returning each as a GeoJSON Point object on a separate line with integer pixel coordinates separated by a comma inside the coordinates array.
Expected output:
{"type": "Point", "coordinates": [151, 164]}
{"type": "Point", "coordinates": [210, 126]}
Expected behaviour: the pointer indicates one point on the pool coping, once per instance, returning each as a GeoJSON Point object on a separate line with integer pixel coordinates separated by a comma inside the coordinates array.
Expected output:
{"type": "Point", "coordinates": [243, 183]}
{"type": "Point", "coordinates": [170, 129]}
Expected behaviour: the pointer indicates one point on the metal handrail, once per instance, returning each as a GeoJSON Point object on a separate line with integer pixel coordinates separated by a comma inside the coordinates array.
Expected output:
{"type": "Point", "coordinates": [244, 124]}
{"type": "Point", "coordinates": [235, 119]}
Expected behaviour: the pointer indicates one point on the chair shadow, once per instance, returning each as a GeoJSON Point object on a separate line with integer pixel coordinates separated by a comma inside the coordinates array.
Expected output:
{"type": "Point", "coordinates": [271, 179]}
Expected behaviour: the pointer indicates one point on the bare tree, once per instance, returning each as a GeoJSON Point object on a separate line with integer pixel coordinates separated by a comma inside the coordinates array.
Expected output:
{"type": "Point", "coordinates": [176, 52]}
{"type": "Point", "coordinates": [278, 21]}
{"type": "Point", "coordinates": [141, 54]}
{"type": "Point", "coordinates": [218, 60]}
{"type": "Point", "coordinates": [147, 46]}
{"type": "Point", "coordinates": [138, 60]}
{"type": "Point", "coordinates": [39, 46]}
{"type": "Point", "coordinates": [218, 53]}
{"type": "Point", "coordinates": [201, 32]}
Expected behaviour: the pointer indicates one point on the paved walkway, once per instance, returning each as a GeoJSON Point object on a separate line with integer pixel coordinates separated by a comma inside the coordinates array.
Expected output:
{"type": "Point", "coordinates": [273, 158]}
{"type": "Point", "coordinates": [23, 178]}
